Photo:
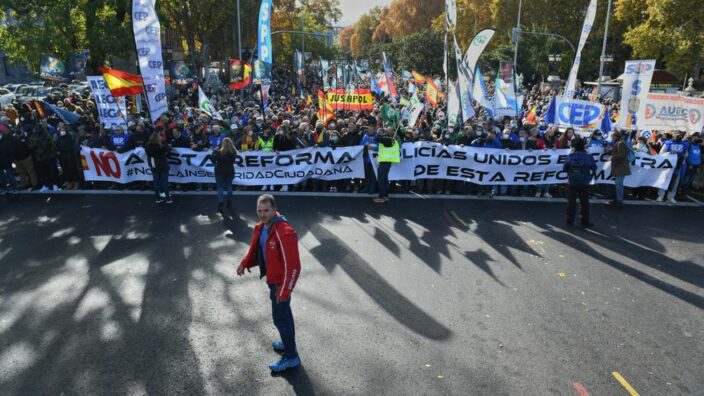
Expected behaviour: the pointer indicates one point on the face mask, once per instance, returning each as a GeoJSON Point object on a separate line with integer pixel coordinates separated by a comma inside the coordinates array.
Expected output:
{"type": "Point", "coordinates": [259, 124]}
{"type": "Point", "coordinates": [447, 136]}
{"type": "Point", "coordinates": [62, 132]}
{"type": "Point", "coordinates": [334, 139]}
{"type": "Point", "coordinates": [522, 139]}
{"type": "Point", "coordinates": [295, 123]}
{"type": "Point", "coordinates": [280, 132]}
{"type": "Point", "coordinates": [507, 136]}
{"type": "Point", "coordinates": [332, 125]}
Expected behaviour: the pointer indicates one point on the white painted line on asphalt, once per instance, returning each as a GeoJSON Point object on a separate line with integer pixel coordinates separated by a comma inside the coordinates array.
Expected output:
{"type": "Point", "coordinates": [413, 195]}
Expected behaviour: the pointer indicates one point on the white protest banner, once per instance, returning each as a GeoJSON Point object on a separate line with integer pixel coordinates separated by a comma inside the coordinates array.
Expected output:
{"type": "Point", "coordinates": [147, 37]}
{"type": "Point", "coordinates": [424, 160]}
{"type": "Point", "coordinates": [636, 85]}
{"type": "Point", "coordinates": [586, 29]}
{"type": "Point", "coordinates": [252, 168]}
{"type": "Point", "coordinates": [666, 112]}
{"type": "Point", "coordinates": [110, 110]}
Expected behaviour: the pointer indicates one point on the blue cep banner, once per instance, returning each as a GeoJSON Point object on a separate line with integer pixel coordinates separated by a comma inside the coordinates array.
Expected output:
{"type": "Point", "coordinates": [578, 114]}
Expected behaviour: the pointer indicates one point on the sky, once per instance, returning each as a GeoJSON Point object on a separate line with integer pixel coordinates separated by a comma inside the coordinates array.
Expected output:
{"type": "Point", "coordinates": [353, 9]}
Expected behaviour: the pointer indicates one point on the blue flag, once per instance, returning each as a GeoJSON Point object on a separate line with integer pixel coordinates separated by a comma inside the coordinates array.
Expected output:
{"type": "Point", "coordinates": [264, 50]}
{"type": "Point", "coordinates": [606, 122]}
{"type": "Point", "coordinates": [550, 115]}
{"type": "Point", "coordinates": [68, 117]}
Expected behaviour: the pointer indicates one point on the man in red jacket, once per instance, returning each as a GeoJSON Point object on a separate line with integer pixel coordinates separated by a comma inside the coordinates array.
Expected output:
{"type": "Point", "coordinates": [274, 249]}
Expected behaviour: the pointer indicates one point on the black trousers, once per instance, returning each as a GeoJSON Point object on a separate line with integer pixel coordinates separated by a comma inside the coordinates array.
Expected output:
{"type": "Point", "coordinates": [573, 192]}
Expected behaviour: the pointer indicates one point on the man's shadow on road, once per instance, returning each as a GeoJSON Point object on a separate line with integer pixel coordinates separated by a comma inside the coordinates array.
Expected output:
{"type": "Point", "coordinates": [299, 379]}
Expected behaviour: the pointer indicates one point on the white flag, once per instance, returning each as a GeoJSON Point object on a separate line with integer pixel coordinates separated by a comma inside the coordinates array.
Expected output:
{"type": "Point", "coordinates": [205, 105]}
{"type": "Point", "coordinates": [586, 29]}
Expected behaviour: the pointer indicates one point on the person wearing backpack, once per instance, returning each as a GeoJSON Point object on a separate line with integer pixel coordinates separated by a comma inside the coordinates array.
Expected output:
{"type": "Point", "coordinates": [580, 168]}
{"type": "Point", "coordinates": [620, 166]}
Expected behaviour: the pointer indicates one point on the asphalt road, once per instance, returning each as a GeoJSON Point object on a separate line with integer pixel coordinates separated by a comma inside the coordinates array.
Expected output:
{"type": "Point", "coordinates": [113, 295]}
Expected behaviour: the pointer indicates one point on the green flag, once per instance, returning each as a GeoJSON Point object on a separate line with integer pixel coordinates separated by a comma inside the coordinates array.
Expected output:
{"type": "Point", "coordinates": [389, 116]}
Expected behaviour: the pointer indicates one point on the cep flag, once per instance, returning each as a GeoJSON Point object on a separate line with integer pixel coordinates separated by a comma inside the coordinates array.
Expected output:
{"type": "Point", "coordinates": [121, 83]}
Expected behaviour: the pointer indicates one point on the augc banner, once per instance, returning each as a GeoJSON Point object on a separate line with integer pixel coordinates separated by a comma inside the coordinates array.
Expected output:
{"type": "Point", "coordinates": [252, 168]}
{"type": "Point", "coordinates": [666, 112]}
{"type": "Point", "coordinates": [423, 160]}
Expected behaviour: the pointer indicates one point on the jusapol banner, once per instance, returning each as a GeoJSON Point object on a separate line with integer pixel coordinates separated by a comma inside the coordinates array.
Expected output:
{"type": "Point", "coordinates": [252, 168]}
{"type": "Point", "coordinates": [424, 160]}
{"type": "Point", "coordinates": [359, 99]}
{"type": "Point", "coordinates": [667, 112]}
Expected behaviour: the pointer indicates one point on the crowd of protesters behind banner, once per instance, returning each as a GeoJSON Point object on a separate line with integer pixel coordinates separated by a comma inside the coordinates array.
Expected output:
{"type": "Point", "coordinates": [44, 153]}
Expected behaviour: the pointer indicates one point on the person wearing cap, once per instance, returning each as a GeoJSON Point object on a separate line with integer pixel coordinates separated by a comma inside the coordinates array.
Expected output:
{"type": "Point", "coordinates": [580, 168]}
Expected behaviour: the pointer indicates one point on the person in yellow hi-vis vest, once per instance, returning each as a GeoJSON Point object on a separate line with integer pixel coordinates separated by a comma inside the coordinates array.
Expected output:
{"type": "Point", "coordinates": [389, 153]}
{"type": "Point", "coordinates": [266, 143]}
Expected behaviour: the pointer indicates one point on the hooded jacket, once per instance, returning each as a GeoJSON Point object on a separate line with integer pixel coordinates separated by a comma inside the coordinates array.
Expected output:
{"type": "Point", "coordinates": [282, 266]}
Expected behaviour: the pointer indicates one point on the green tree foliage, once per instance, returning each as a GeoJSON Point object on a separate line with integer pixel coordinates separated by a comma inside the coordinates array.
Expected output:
{"type": "Point", "coordinates": [64, 27]}
{"type": "Point", "coordinates": [668, 30]}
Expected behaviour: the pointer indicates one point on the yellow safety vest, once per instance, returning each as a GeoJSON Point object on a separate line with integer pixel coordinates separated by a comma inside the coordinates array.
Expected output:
{"type": "Point", "coordinates": [390, 154]}
{"type": "Point", "coordinates": [266, 145]}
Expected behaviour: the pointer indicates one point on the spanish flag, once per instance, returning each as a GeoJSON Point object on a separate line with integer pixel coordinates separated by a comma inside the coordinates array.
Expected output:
{"type": "Point", "coordinates": [531, 116]}
{"type": "Point", "coordinates": [417, 77]}
{"type": "Point", "coordinates": [431, 92]}
{"type": "Point", "coordinates": [325, 110]}
{"type": "Point", "coordinates": [121, 83]}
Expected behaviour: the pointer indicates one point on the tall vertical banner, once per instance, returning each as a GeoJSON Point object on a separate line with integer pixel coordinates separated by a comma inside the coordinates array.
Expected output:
{"type": "Point", "coordinates": [300, 73]}
{"type": "Point", "coordinates": [264, 50]}
{"type": "Point", "coordinates": [464, 78]}
{"type": "Point", "coordinates": [451, 13]}
{"type": "Point", "coordinates": [586, 29]}
{"type": "Point", "coordinates": [476, 48]}
{"type": "Point", "coordinates": [111, 110]}
{"type": "Point", "coordinates": [636, 85]}
{"type": "Point", "coordinates": [147, 38]}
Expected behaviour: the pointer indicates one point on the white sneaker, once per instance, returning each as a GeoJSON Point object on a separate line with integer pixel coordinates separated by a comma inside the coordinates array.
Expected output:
{"type": "Point", "coordinates": [547, 195]}
{"type": "Point", "coordinates": [265, 188]}
{"type": "Point", "coordinates": [44, 189]}
{"type": "Point", "coordinates": [537, 195]}
{"type": "Point", "coordinates": [672, 200]}
{"type": "Point", "coordinates": [284, 188]}
{"type": "Point", "coordinates": [660, 199]}
{"type": "Point", "coordinates": [56, 188]}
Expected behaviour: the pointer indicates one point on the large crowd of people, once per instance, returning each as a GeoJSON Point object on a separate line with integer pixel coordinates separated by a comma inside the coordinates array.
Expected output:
{"type": "Point", "coordinates": [43, 153]}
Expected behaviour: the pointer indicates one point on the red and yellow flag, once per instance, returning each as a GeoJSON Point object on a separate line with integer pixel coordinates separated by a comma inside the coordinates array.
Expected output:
{"type": "Point", "coordinates": [246, 79]}
{"type": "Point", "coordinates": [325, 111]}
{"type": "Point", "coordinates": [417, 77]}
{"type": "Point", "coordinates": [431, 92]}
{"type": "Point", "coordinates": [122, 83]}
